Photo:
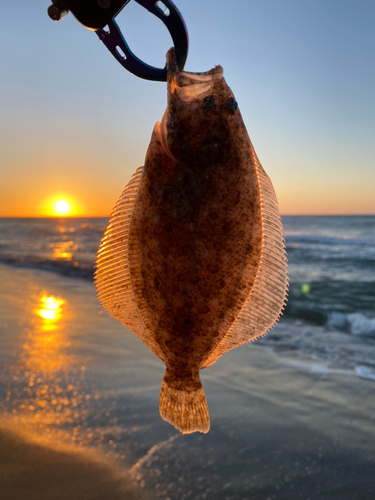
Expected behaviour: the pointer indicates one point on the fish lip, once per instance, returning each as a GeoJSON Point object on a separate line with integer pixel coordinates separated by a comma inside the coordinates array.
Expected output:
{"type": "Point", "coordinates": [186, 78]}
{"type": "Point", "coordinates": [188, 86]}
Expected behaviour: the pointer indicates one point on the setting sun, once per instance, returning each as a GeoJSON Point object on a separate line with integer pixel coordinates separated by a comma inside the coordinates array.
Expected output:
{"type": "Point", "coordinates": [62, 207]}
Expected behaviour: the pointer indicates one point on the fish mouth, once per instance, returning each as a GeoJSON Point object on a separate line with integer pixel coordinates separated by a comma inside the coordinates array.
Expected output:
{"type": "Point", "coordinates": [188, 86]}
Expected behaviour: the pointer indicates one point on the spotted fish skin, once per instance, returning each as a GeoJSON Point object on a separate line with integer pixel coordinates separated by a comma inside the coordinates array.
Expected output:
{"type": "Point", "coordinates": [198, 266]}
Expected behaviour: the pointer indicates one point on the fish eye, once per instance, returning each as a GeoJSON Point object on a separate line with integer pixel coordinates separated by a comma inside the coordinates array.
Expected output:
{"type": "Point", "coordinates": [231, 105]}
{"type": "Point", "coordinates": [209, 103]}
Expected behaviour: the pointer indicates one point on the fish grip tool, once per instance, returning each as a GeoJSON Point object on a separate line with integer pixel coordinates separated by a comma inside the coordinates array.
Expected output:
{"type": "Point", "coordinates": [99, 16]}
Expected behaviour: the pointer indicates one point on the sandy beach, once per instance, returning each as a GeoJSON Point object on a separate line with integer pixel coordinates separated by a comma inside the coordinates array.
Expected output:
{"type": "Point", "coordinates": [79, 412]}
{"type": "Point", "coordinates": [36, 472]}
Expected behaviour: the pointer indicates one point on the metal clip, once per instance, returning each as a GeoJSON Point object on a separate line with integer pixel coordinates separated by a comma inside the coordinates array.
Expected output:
{"type": "Point", "coordinates": [99, 14]}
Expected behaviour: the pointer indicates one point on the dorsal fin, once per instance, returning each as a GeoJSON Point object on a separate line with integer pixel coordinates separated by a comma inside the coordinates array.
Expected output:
{"type": "Point", "coordinates": [267, 297]}
{"type": "Point", "coordinates": [112, 275]}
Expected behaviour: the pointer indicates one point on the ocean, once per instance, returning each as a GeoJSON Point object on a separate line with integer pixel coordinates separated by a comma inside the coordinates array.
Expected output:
{"type": "Point", "coordinates": [292, 414]}
{"type": "Point", "coordinates": [331, 269]}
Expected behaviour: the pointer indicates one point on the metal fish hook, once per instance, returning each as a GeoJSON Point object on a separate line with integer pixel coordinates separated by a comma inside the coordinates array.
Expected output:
{"type": "Point", "coordinates": [98, 15]}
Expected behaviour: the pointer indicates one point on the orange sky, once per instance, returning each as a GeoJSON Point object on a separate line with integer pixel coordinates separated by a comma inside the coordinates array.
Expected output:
{"type": "Point", "coordinates": [30, 186]}
{"type": "Point", "coordinates": [93, 182]}
{"type": "Point", "coordinates": [98, 198]}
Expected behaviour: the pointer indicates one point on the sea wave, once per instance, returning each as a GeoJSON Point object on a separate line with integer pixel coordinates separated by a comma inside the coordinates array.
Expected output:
{"type": "Point", "coordinates": [299, 306]}
{"type": "Point", "coordinates": [322, 346]}
{"type": "Point", "coordinates": [91, 227]}
{"type": "Point", "coordinates": [335, 255]}
{"type": "Point", "coordinates": [322, 369]}
{"type": "Point", "coordinates": [327, 240]}
{"type": "Point", "coordinates": [345, 340]}
{"type": "Point", "coordinates": [65, 268]}
{"type": "Point", "coordinates": [365, 372]}
{"type": "Point", "coordinates": [356, 323]}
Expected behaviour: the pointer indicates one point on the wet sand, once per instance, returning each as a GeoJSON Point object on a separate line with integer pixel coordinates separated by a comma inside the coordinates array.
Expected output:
{"type": "Point", "coordinates": [280, 427]}
{"type": "Point", "coordinates": [34, 472]}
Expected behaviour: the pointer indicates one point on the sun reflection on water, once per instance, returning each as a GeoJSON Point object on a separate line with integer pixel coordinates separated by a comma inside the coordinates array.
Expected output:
{"type": "Point", "coordinates": [63, 250]}
{"type": "Point", "coordinates": [46, 348]}
{"type": "Point", "coordinates": [51, 308]}
{"type": "Point", "coordinates": [49, 395]}
{"type": "Point", "coordinates": [48, 387]}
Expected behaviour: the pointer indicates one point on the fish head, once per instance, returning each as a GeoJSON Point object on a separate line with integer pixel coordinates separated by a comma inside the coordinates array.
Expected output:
{"type": "Point", "coordinates": [201, 116]}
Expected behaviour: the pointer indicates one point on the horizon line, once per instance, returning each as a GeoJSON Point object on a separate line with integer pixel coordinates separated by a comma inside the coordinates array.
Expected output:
{"type": "Point", "coordinates": [107, 216]}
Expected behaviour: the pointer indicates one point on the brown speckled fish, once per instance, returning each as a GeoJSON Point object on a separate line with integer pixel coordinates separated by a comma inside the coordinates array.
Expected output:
{"type": "Point", "coordinates": [193, 258]}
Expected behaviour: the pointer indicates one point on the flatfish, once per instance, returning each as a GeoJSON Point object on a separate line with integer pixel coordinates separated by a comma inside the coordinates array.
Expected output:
{"type": "Point", "coordinates": [193, 258]}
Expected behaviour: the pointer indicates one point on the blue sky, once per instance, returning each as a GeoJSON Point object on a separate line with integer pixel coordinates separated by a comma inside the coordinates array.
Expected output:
{"type": "Point", "coordinates": [74, 122]}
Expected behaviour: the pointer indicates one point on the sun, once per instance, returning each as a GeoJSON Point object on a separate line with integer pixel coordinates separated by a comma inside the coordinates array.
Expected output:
{"type": "Point", "coordinates": [60, 204]}
{"type": "Point", "coordinates": [61, 207]}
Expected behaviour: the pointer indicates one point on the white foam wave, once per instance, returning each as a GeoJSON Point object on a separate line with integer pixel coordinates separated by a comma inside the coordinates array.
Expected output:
{"type": "Point", "coordinates": [365, 372]}
{"type": "Point", "coordinates": [356, 323]}
{"type": "Point", "coordinates": [337, 320]}
{"type": "Point", "coordinates": [361, 325]}
{"type": "Point", "coordinates": [319, 368]}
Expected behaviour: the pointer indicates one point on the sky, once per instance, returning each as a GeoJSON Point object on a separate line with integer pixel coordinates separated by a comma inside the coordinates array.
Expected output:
{"type": "Point", "coordinates": [75, 125]}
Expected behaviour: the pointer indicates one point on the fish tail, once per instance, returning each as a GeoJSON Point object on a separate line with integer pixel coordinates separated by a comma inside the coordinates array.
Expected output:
{"type": "Point", "coordinates": [185, 410]}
